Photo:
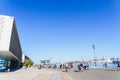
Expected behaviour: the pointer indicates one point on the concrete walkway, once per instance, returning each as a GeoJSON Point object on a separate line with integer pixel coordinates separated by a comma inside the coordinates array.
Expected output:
{"type": "Point", "coordinates": [93, 74]}
{"type": "Point", "coordinates": [35, 74]}
{"type": "Point", "coordinates": [28, 74]}
{"type": "Point", "coordinates": [56, 77]}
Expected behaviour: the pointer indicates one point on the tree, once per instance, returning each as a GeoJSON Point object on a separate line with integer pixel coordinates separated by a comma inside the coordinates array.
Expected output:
{"type": "Point", "coordinates": [28, 63]}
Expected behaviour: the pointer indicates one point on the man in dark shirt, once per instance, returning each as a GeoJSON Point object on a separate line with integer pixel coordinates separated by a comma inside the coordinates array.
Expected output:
{"type": "Point", "coordinates": [118, 64]}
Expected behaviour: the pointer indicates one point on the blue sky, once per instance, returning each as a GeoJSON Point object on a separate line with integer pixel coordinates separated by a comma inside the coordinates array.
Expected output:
{"type": "Point", "coordinates": [65, 30]}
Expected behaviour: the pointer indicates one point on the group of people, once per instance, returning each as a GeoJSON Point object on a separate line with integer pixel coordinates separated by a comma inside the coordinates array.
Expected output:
{"type": "Point", "coordinates": [83, 67]}
{"type": "Point", "coordinates": [116, 63]}
{"type": "Point", "coordinates": [65, 66]}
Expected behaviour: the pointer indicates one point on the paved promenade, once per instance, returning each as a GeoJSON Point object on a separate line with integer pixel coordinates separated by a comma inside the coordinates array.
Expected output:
{"type": "Point", "coordinates": [30, 74]}
{"type": "Point", "coordinates": [94, 74]}
{"type": "Point", "coordinates": [34, 74]}
{"type": "Point", "coordinates": [58, 74]}
{"type": "Point", "coordinates": [56, 77]}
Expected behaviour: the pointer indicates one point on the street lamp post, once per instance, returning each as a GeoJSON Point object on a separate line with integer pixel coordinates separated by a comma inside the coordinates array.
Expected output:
{"type": "Point", "coordinates": [94, 54]}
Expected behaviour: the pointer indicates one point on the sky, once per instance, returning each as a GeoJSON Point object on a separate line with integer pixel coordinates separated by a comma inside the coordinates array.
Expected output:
{"type": "Point", "coordinates": [65, 30]}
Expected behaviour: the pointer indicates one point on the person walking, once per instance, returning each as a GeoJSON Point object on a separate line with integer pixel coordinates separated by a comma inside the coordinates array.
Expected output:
{"type": "Point", "coordinates": [87, 65]}
{"type": "Point", "coordinates": [118, 64]}
{"type": "Point", "coordinates": [60, 66]}
{"type": "Point", "coordinates": [105, 65]}
{"type": "Point", "coordinates": [66, 67]}
{"type": "Point", "coordinates": [40, 66]}
{"type": "Point", "coordinates": [79, 67]}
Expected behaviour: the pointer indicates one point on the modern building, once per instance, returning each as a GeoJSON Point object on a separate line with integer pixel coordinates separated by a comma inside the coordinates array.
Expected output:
{"type": "Point", "coordinates": [25, 57]}
{"type": "Point", "coordinates": [10, 48]}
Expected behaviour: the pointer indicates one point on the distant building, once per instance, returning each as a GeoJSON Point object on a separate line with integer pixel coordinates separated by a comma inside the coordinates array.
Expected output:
{"type": "Point", "coordinates": [45, 61]}
{"type": "Point", "coordinates": [10, 48]}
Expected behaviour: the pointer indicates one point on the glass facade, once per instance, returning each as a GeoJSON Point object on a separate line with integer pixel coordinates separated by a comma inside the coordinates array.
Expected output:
{"type": "Point", "coordinates": [4, 63]}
